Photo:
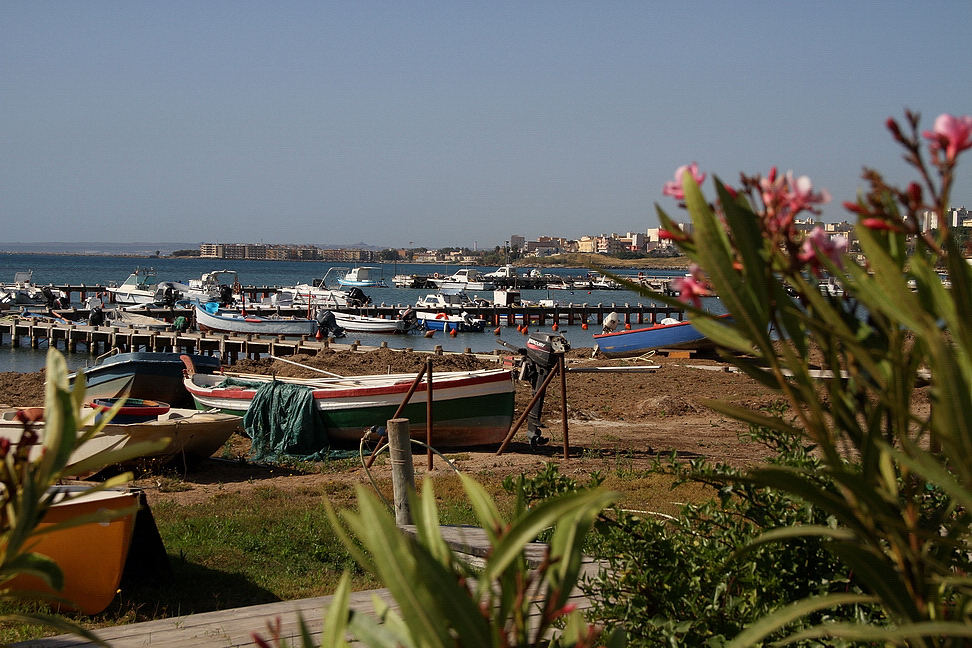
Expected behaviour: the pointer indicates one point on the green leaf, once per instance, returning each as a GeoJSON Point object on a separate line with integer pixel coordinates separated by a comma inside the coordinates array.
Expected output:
{"type": "Point", "coordinates": [334, 623]}
{"type": "Point", "coordinates": [510, 546]}
{"type": "Point", "coordinates": [778, 619]}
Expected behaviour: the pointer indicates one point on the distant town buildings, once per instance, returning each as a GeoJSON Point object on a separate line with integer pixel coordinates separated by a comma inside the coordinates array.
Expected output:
{"type": "Point", "coordinates": [284, 252]}
{"type": "Point", "coordinates": [651, 241]}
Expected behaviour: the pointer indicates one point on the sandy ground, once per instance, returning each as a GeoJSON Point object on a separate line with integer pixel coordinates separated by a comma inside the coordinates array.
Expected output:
{"type": "Point", "coordinates": [627, 410]}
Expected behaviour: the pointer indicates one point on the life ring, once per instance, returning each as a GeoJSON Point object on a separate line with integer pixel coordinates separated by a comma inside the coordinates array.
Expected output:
{"type": "Point", "coordinates": [441, 316]}
{"type": "Point", "coordinates": [435, 276]}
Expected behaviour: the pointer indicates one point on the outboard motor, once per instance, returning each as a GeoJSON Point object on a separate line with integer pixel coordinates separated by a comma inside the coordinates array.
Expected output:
{"type": "Point", "coordinates": [226, 295]}
{"type": "Point", "coordinates": [96, 317]}
{"type": "Point", "coordinates": [541, 355]}
{"type": "Point", "coordinates": [168, 296]}
{"type": "Point", "coordinates": [356, 297]}
{"type": "Point", "coordinates": [49, 296]}
{"type": "Point", "coordinates": [328, 325]}
{"type": "Point", "coordinates": [611, 321]}
{"type": "Point", "coordinates": [410, 318]}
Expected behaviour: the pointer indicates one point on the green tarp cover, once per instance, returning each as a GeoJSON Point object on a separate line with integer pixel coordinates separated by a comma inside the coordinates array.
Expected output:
{"type": "Point", "coordinates": [282, 421]}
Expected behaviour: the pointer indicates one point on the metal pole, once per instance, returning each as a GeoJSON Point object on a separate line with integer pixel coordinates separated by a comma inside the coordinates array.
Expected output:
{"type": "Point", "coordinates": [526, 412]}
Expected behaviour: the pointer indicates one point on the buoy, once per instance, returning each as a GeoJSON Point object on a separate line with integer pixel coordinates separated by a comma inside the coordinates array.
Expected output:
{"type": "Point", "coordinates": [452, 332]}
{"type": "Point", "coordinates": [318, 336]}
{"type": "Point", "coordinates": [555, 326]}
{"type": "Point", "coordinates": [526, 330]}
{"type": "Point", "coordinates": [584, 326]}
{"type": "Point", "coordinates": [429, 334]}
{"type": "Point", "coordinates": [627, 326]}
{"type": "Point", "coordinates": [496, 331]}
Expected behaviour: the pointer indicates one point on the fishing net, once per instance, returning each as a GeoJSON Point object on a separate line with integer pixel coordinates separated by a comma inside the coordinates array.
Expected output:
{"type": "Point", "coordinates": [283, 422]}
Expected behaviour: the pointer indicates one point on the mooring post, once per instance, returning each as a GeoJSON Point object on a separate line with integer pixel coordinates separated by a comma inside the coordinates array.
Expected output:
{"type": "Point", "coordinates": [403, 473]}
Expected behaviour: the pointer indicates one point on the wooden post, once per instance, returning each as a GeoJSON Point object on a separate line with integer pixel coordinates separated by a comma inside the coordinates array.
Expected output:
{"type": "Point", "coordinates": [428, 409]}
{"type": "Point", "coordinates": [563, 398]}
{"type": "Point", "coordinates": [403, 473]}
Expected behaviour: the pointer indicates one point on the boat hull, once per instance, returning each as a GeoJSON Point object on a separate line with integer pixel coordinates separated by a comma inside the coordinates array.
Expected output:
{"type": "Point", "coordinates": [193, 436]}
{"type": "Point", "coordinates": [91, 556]}
{"type": "Point", "coordinates": [447, 323]}
{"type": "Point", "coordinates": [469, 408]}
{"type": "Point", "coordinates": [234, 322]}
{"type": "Point", "coordinates": [144, 375]}
{"type": "Point", "coordinates": [363, 324]}
{"type": "Point", "coordinates": [634, 342]}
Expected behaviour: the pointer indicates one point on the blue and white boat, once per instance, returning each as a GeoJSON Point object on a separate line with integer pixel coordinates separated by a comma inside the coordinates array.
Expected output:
{"type": "Point", "coordinates": [442, 321]}
{"type": "Point", "coordinates": [362, 277]}
{"type": "Point", "coordinates": [670, 333]}
{"type": "Point", "coordinates": [143, 375]}
{"type": "Point", "coordinates": [210, 317]}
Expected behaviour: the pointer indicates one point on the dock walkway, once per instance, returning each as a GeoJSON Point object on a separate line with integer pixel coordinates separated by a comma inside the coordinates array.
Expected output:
{"type": "Point", "coordinates": [235, 627]}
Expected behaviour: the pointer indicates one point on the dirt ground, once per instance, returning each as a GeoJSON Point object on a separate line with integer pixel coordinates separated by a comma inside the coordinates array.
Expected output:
{"type": "Point", "coordinates": [623, 410]}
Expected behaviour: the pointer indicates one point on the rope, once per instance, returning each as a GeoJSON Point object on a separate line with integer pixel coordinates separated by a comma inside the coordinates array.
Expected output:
{"type": "Point", "coordinates": [371, 479]}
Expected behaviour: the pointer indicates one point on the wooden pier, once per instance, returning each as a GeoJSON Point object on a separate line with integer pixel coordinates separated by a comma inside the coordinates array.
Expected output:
{"type": "Point", "coordinates": [69, 330]}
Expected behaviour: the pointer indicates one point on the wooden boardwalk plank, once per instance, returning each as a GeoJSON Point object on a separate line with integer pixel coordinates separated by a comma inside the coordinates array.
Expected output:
{"type": "Point", "coordinates": [235, 627]}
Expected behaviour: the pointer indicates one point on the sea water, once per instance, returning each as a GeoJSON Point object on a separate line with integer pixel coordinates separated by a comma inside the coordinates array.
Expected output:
{"type": "Point", "coordinates": [103, 270]}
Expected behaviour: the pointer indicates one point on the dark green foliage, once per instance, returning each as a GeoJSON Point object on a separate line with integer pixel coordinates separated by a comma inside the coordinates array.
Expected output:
{"type": "Point", "coordinates": [685, 580]}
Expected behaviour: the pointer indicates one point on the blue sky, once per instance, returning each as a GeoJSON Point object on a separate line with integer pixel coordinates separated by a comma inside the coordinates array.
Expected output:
{"type": "Point", "coordinates": [450, 123]}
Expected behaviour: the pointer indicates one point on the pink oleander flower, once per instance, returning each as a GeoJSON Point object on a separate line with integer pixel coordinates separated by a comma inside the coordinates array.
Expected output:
{"type": "Point", "coordinates": [785, 196]}
{"type": "Point", "coordinates": [953, 134]}
{"type": "Point", "coordinates": [674, 189]}
{"type": "Point", "coordinates": [878, 223]}
{"type": "Point", "coordinates": [692, 287]}
{"type": "Point", "coordinates": [819, 244]}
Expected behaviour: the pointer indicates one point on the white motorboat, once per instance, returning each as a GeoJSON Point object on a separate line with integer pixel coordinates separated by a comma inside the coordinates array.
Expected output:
{"type": "Point", "coordinates": [464, 279]}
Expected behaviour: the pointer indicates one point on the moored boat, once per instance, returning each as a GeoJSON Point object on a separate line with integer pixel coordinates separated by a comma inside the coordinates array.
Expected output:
{"type": "Point", "coordinates": [464, 279]}
{"type": "Point", "coordinates": [366, 324]}
{"type": "Point", "coordinates": [442, 321]}
{"type": "Point", "coordinates": [24, 292]}
{"type": "Point", "coordinates": [361, 277]}
{"type": "Point", "coordinates": [209, 317]}
{"type": "Point", "coordinates": [470, 408]}
{"type": "Point", "coordinates": [139, 288]}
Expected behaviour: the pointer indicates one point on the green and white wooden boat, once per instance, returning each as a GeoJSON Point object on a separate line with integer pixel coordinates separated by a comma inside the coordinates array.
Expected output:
{"type": "Point", "coordinates": [469, 408]}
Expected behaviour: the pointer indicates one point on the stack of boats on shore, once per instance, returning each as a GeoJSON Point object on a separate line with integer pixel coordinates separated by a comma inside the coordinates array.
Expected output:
{"type": "Point", "coordinates": [469, 408]}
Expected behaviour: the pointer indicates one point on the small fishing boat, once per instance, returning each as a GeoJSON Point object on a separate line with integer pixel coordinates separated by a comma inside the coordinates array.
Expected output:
{"type": "Point", "coordinates": [193, 435]}
{"type": "Point", "coordinates": [670, 333]}
{"type": "Point", "coordinates": [210, 317]}
{"type": "Point", "coordinates": [91, 556]}
{"type": "Point", "coordinates": [470, 408]}
{"type": "Point", "coordinates": [142, 374]}
{"type": "Point", "coordinates": [442, 321]}
{"type": "Point", "coordinates": [366, 324]}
